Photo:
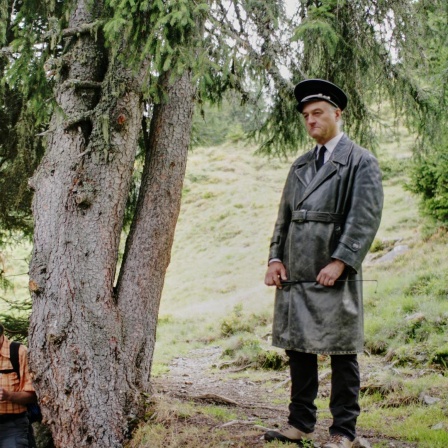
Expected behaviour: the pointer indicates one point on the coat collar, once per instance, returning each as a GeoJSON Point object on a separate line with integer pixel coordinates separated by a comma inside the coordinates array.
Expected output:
{"type": "Point", "coordinates": [340, 154]}
{"type": "Point", "coordinates": [306, 167]}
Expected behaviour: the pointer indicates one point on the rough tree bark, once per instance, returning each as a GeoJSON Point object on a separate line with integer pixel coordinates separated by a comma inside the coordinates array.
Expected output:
{"type": "Point", "coordinates": [90, 347]}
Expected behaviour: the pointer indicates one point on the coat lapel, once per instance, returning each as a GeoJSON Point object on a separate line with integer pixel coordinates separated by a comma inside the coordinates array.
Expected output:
{"type": "Point", "coordinates": [307, 173]}
{"type": "Point", "coordinates": [306, 168]}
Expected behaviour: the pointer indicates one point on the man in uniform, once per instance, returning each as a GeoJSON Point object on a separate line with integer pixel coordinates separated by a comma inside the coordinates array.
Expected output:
{"type": "Point", "coordinates": [328, 216]}
{"type": "Point", "coordinates": [15, 394]}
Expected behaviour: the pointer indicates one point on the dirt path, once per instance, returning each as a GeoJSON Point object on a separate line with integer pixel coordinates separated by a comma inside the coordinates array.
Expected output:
{"type": "Point", "coordinates": [258, 398]}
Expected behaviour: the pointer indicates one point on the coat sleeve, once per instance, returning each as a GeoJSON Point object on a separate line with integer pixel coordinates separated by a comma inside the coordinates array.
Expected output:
{"type": "Point", "coordinates": [364, 215]}
{"type": "Point", "coordinates": [283, 220]}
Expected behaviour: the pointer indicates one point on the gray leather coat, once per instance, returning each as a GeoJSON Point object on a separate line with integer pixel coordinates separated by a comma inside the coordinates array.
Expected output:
{"type": "Point", "coordinates": [347, 191]}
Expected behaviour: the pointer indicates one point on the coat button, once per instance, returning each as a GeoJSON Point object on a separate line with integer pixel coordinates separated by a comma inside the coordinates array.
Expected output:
{"type": "Point", "coordinates": [356, 245]}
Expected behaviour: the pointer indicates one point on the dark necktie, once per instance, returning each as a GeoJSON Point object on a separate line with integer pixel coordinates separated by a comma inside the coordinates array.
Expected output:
{"type": "Point", "coordinates": [320, 158]}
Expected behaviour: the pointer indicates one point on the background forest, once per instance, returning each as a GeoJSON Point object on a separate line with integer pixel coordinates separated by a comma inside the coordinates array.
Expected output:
{"type": "Point", "coordinates": [101, 98]}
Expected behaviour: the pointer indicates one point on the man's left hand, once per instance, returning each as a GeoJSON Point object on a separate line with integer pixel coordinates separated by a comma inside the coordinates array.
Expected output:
{"type": "Point", "coordinates": [330, 273]}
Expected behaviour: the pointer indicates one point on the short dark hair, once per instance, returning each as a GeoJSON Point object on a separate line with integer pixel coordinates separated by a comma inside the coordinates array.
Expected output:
{"type": "Point", "coordinates": [2, 329]}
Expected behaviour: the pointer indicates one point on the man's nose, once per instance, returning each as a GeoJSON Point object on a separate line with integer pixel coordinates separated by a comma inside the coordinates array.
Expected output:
{"type": "Point", "coordinates": [310, 120]}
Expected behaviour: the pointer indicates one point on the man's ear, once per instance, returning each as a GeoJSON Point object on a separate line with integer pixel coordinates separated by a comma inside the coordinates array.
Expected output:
{"type": "Point", "coordinates": [338, 113]}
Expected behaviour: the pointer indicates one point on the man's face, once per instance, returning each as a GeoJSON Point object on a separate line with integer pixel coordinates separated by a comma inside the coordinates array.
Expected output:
{"type": "Point", "coordinates": [321, 119]}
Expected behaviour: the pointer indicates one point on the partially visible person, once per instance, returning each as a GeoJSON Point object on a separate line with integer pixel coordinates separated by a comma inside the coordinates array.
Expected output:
{"type": "Point", "coordinates": [15, 394]}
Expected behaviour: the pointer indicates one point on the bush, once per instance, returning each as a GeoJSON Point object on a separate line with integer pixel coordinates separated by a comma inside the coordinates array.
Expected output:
{"type": "Point", "coordinates": [247, 350]}
{"type": "Point", "coordinates": [393, 168]}
{"type": "Point", "coordinates": [238, 322]}
{"type": "Point", "coordinates": [440, 356]}
{"type": "Point", "coordinates": [377, 246]}
{"type": "Point", "coordinates": [429, 180]}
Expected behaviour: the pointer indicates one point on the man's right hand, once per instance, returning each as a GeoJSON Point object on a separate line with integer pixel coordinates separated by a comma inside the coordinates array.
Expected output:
{"type": "Point", "coordinates": [275, 274]}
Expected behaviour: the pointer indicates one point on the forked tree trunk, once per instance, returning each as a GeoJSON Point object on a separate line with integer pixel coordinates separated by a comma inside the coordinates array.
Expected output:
{"type": "Point", "coordinates": [90, 348]}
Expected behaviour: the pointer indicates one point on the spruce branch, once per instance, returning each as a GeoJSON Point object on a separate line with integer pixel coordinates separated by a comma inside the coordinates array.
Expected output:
{"type": "Point", "coordinates": [82, 29]}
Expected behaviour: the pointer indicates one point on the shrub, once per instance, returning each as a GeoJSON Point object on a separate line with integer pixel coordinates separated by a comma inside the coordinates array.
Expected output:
{"type": "Point", "coordinates": [239, 322]}
{"type": "Point", "coordinates": [429, 180]}
{"type": "Point", "coordinates": [440, 356]}
{"type": "Point", "coordinates": [247, 350]}
{"type": "Point", "coordinates": [377, 246]}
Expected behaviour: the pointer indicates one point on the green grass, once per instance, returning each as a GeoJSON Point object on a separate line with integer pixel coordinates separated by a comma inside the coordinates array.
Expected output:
{"type": "Point", "coordinates": [411, 423]}
{"type": "Point", "coordinates": [14, 261]}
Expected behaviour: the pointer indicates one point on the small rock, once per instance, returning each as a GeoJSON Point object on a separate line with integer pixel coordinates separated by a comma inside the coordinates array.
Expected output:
{"type": "Point", "coordinates": [417, 317]}
{"type": "Point", "coordinates": [324, 375]}
{"type": "Point", "coordinates": [361, 442]}
{"type": "Point", "coordinates": [397, 250]}
{"type": "Point", "coordinates": [438, 426]}
{"type": "Point", "coordinates": [427, 399]}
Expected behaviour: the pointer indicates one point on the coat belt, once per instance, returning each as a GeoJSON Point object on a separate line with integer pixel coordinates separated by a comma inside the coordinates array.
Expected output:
{"type": "Point", "coordinates": [307, 215]}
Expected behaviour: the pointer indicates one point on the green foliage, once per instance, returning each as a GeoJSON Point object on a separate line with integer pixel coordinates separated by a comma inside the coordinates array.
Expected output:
{"type": "Point", "coordinates": [167, 34]}
{"type": "Point", "coordinates": [440, 356]}
{"type": "Point", "coordinates": [228, 121]}
{"type": "Point", "coordinates": [392, 168]}
{"type": "Point", "coordinates": [433, 284]}
{"type": "Point", "coordinates": [429, 180]}
{"type": "Point", "coordinates": [247, 350]}
{"type": "Point", "coordinates": [415, 334]}
{"type": "Point", "coordinates": [15, 320]}
{"type": "Point", "coordinates": [24, 107]}
{"type": "Point", "coordinates": [377, 246]}
{"type": "Point", "coordinates": [243, 347]}
{"type": "Point", "coordinates": [238, 322]}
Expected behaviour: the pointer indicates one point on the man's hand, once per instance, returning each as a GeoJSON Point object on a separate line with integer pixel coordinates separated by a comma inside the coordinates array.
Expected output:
{"type": "Point", "coordinates": [330, 273]}
{"type": "Point", "coordinates": [22, 397]}
{"type": "Point", "coordinates": [275, 274]}
{"type": "Point", "coordinates": [4, 394]}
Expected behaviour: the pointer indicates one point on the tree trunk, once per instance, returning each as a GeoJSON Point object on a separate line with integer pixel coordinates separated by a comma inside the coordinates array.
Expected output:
{"type": "Point", "coordinates": [148, 248]}
{"type": "Point", "coordinates": [91, 349]}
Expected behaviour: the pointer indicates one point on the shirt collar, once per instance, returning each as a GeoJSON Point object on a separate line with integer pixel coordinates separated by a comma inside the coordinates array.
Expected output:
{"type": "Point", "coordinates": [331, 144]}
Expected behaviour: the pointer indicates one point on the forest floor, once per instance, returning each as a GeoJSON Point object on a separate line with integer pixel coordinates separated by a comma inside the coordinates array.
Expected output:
{"type": "Point", "coordinates": [256, 400]}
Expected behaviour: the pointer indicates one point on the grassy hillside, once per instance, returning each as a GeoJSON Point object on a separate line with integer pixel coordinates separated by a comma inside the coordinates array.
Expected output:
{"type": "Point", "coordinates": [214, 290]}
{"type": "Point", "coordinates": [221, 245]}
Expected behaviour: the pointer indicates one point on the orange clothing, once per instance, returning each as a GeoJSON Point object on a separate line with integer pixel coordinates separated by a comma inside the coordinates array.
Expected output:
{"type": "Point", "coordinates": [10, 382]}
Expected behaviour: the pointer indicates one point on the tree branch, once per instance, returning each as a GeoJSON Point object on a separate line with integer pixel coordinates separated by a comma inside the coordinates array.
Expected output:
{"type": "Point", "coordinates": [82, 29]}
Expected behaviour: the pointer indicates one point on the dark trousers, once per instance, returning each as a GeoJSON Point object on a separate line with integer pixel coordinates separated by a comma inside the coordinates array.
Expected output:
{"type": "Point", "coordinates": [14, 433]}
{"type": "Point", "coordinates": [345, 384]}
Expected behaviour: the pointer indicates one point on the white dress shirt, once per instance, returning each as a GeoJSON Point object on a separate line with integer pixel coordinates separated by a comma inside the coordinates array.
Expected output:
{"type": "Point", "coordinates": [330, 145]}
